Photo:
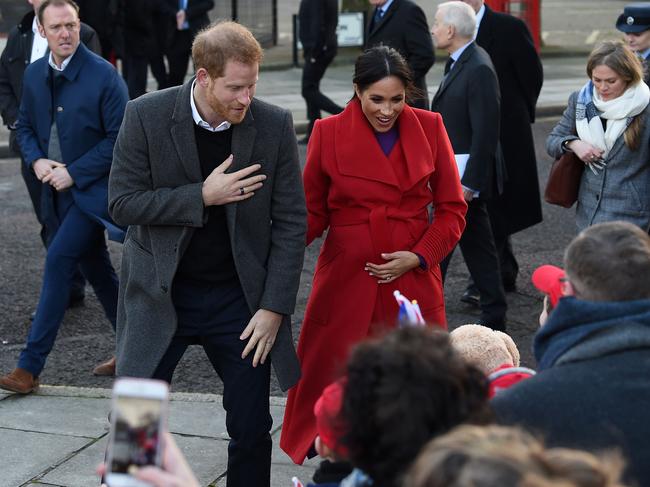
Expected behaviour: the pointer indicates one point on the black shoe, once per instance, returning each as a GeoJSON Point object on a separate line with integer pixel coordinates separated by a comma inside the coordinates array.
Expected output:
{"type": "Point", "coordinates": [471, 297]}
{"type": "Point", "coordinates": [510, 287]}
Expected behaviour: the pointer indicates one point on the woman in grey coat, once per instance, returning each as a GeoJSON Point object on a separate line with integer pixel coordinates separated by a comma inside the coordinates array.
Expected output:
{"type": "Point", "coordinates": [607, 125]}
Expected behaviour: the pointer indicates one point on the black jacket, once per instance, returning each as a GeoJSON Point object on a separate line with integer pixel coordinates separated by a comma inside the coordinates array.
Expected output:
{"type": "Point", "coordinates": [404, 27]}
{"type": "Point", "coordinates": [468, 101]}
{"type": "Point", "coordinates": [318, 20]}
{"type": "Point", "coordinates": [510, 46]}
{"type": "Point", "coordinates": [196, 15]}
{"type": "Point", "coordinates": [592, 392]}
{"type": "Point", "coordinates": [15, 59]}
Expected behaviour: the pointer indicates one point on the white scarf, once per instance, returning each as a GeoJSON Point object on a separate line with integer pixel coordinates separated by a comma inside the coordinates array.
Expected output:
{"type": "Point", "coordinates": [618, 113]}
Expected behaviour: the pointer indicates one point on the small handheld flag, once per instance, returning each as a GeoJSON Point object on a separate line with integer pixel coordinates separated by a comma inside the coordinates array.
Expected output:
{"type": "Point", "coordinates": [409, 311]}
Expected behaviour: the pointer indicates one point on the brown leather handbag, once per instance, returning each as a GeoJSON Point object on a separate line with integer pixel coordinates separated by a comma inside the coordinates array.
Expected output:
{"type": "Point", "coordinates": [564, 180]}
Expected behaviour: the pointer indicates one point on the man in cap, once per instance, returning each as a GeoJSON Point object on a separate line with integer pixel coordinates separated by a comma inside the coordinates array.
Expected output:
{"type": "Point", "coordinates": [591, 388]}
{"type": "Point", "coordinates": [634, 22]}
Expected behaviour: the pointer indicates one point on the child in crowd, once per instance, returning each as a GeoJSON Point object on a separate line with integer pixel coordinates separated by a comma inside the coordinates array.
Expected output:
{"type": "Point", "coordinates": [549, 280]}
{"type": "Point", "coordinates": [499, 456]}
{"type": "Point", "coordinates": [493, 352]}
{"type": "Point", "coordinates": [330, 429]}
{"type": "Point", "coordinates": [400, 391]}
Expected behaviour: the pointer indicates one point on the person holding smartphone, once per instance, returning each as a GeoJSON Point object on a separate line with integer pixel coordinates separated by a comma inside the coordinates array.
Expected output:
{"type": "Point", "coordinates": [208, 179]}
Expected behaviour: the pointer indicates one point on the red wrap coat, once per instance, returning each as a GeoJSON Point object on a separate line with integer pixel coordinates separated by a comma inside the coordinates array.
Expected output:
{"type": "Point", "coordinates": [371, 204]}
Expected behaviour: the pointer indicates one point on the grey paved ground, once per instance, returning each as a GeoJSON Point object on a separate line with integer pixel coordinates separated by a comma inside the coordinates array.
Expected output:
{"type": "Point", "coordinates": [37, 450]}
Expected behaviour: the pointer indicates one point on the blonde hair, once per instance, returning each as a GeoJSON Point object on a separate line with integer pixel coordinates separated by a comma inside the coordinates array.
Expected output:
{"type": "Point", "coordinates": [620, 59]}
{"type": "Point", "coordinates": [500, 456]}
{"type": "Point", "coordinates": [224, 41]}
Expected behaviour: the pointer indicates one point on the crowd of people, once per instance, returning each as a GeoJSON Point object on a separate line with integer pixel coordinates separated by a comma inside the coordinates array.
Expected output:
{"type": "Point", "coordinates": [202, 183]}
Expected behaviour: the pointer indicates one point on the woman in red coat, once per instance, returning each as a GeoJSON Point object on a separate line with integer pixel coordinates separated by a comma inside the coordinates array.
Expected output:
{"type": "Point", "coordinates": [371, 174]}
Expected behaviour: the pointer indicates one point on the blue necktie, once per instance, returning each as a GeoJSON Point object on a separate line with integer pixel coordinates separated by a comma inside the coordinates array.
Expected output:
{"type": "Point", "coordinates": [379, 14]}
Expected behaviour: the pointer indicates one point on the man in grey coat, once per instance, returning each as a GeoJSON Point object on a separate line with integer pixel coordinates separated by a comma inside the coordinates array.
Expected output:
{"type": "Point", "coordinates": [214, 251]}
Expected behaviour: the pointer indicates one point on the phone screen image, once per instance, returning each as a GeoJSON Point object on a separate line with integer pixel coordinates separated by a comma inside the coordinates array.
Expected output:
{"type": "Point", "coordinates": [136, 435]}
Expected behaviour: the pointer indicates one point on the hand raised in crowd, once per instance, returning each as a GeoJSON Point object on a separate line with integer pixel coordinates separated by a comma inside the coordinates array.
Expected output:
{"type": "Point", "coordinates": [180, 19]}
{"type": "Point", "coordinates": [175, 471]}
{"type": "Point", "coordinates": [586, 152]}
{"type": "Point", "coordinates": [262, 330]}
{"type": "Point", "coordinates": [398, 263]}
{"type": "Point", "coordinates": [42, 167]}
{"type": "Point", "coordinates": [59, 178]}
{"type": "Point", "coordinates": [468, 194]}
{"type": "Point", "coordinates": [220, 188]}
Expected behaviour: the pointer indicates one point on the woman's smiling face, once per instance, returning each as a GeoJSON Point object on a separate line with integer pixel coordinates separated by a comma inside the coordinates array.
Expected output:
{"type": "Point", "coordinates": [382, 102]}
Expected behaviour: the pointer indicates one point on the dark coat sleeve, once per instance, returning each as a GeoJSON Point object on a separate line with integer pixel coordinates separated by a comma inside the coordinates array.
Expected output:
{"type": "Point", "coordinates": [288, 228]}
{"type": "Point", "coordinates": [90, 39]}
{"type": "Point", "coordinates": [312, 26]}
{"type": "Point", "coordinates": [96, 163]}
{"type": "Point", "coordinates": [8, 97]}
{"type": "Point", "coordinates": [526, 66]}
{"type": "Point", "coordinates": [198, 8]}
{"type": "Point", "coordinates": [419, 44]}
{"type": "Point", "coordinates": [484, 115]}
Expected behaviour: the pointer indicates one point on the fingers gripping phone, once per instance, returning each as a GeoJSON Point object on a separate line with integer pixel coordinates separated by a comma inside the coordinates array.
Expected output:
{"type": "Point", "coordinates": [137, 422]}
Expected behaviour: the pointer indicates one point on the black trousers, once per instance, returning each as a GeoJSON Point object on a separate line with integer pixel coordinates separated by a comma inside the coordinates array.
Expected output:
{"type": "Point", "coordinates": [134, 71]}
{"type": "Point", "coordinates": [479, 251]}
{"type": "Point", "coordinates": [178, 55]}
{"type": "Point", "coordinates": [35, 191]}
{"type": "Point", "coordinates": [312, 73]}
{"type": "Point", "coordinates": [214, 317]}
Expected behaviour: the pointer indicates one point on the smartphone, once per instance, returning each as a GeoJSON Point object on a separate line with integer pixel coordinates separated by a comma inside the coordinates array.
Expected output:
{"type": "Point", "coordinates": [138, 419]}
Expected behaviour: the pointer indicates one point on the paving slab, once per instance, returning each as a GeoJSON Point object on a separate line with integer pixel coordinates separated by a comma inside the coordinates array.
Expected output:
{"type": "Point", "coordinates": [29, 454]}
{"type": "Point", "coordinates": [79, 471]}
{"type": "Point", "coordinates": [56, 415]}
{"type": "Point", "coordinates": [205, 419]}
{"type": "Point", "coordinates": [208, 457]}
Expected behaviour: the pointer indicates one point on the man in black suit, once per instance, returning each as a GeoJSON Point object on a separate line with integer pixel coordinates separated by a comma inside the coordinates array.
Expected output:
{"type": "Point", "coordinates": [182, 19]}
{"type": "Point", "coordinates": [519, 70]}
{"type": "Point", "coordinates": [468, 100]}
{"type": "Point", "coordinates": [25, 45]}
{"type": "Point", "coordinates": [139, 45]}
{"type": "Point", "coordinates": [402, 25]}
{"type": "Point", "coordinates": [317, 20]}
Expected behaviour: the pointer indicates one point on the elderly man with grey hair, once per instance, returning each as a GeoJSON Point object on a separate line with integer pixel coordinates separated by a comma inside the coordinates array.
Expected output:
{"type": "Point", "coordinates": [468, 100]}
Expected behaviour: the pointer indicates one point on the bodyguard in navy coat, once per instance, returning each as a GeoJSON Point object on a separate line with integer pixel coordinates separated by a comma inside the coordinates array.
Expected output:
{"type": "Point", "coordinates": [71, 110]}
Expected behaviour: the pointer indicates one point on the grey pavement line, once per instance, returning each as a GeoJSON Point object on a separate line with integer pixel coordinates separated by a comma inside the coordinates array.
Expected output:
{"type": "Point", "coordinates": [21, 430]}
{"type": "Point", "coordinates": [67, 457]}
{"type": "Point", "coordinates": [103, 393]}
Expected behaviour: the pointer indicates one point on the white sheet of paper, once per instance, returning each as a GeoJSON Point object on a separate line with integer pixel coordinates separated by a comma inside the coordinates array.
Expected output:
{"type": "Point", "coordinates": [461, 163]}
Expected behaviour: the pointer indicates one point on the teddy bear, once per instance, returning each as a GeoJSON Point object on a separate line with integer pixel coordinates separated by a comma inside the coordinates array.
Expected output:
{"type": "Point", "coordinates": [493, 352]}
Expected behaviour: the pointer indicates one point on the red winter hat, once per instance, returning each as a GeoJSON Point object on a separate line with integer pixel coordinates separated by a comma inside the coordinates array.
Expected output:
{"type": "Point", "coordinates": [548, 279]}
{"type": "Point", "coordinates": [328, 422]}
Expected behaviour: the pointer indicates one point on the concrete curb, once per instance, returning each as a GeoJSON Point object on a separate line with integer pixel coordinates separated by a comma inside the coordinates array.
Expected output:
{"type": "Point", "coordinates": [102, 393]}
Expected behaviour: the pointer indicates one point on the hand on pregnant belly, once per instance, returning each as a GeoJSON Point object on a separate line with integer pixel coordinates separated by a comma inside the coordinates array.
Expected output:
{"type": "Point", "coordinates": [397, 263]}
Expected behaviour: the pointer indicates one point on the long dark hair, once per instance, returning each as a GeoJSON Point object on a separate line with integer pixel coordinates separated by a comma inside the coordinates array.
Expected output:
{"type": "Point", "coordinates": [379, 62]}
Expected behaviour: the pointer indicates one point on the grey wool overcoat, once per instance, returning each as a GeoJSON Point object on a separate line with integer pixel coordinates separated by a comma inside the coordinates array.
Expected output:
{"type": "Point", "coordinates": [155, 189]}
{"type": "Point", "coordinates": [619, 192]}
